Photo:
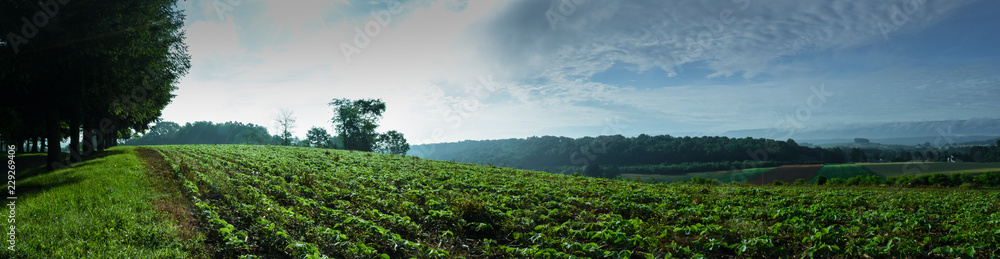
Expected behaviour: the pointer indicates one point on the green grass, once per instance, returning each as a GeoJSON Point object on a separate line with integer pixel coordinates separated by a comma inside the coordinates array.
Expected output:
{"type": "Point", "coordinates": [102, 207]}
{"type": "Point", "coordinates": [726, 176]}
{"type": "Point", "coordinates": [917, 168]}
{"type": "Point", "coordinates": [842, 171]}
{"type": "Point", "coordinates": [293, 202]}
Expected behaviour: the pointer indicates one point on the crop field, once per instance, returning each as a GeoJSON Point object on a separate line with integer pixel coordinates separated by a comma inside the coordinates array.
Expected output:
{"type": "Point", "coordinates": [786, 173]}
{"type": "Point", "coordinates": [285, 201]}
{"type": "Point", "coordinates": [916, 168]}
{"type": "Point", "coordinates": [726, 176]}
{"type": "Point", "coordinates": [842, 171]}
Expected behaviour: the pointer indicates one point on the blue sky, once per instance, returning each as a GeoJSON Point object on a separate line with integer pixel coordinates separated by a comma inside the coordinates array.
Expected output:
{"type": "Point", "coordinates": [452, 70]}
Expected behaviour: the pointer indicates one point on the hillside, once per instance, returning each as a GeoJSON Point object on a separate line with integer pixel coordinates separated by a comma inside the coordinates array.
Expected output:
{"type": "Point", "coordinates": [294, 202]}
{"type": "Point", "coordinates": [643, 154]}
{"type": "Point", "coordinates": [902, 133]}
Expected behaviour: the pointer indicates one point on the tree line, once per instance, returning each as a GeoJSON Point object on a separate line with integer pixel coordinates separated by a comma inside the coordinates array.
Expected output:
{"type": "Point", "coordinates": [355, 123]}
{"type": "Point", "coordinates": [100, 71]}
{"type": "Point", "coordinates": [608, 156]}
{"type": "Point", "coordinates": [91, 71]}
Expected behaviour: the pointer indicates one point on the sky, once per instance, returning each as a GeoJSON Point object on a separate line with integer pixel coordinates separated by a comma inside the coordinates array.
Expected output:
{"type": "Point", "coordinates": [453, 70]}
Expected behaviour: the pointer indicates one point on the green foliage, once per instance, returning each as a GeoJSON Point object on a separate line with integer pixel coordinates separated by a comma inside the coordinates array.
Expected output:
{"type": "Point", "coordinates": [366, 205]}
{"type": "Point", "coordinates": [108, 66]}
{"type": "Point", "coordinates": [392, 142]}
{"type": "Point", "coordinates": [836, 182]}
{"type": "Point", "coordinates": [203, 132]}
{"type": "Point", "coordinates": [106, 206]}
{"type": "Point", "coordinates": [355, 122]}
{"type": "Point", "coordinates": [686, 167]}
{"type": "Point", "coordinates": [593, 170]}
{"type": "Point", "coordinates": [643, 154]}
{"type": "Point", "coordinates": [843, 171]}
{"type": "Point", "coordinates": [820, 180]}
{"type": "Point", "coordinates": [318, 137]}
{"type": "Point", "coordinates": [704, 181]}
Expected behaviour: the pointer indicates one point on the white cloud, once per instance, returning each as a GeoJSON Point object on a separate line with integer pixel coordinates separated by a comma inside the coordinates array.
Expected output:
{"type": "Point", "coordinates": [732, 37]}
{"type": "Point", "coordinates": [427, 62]}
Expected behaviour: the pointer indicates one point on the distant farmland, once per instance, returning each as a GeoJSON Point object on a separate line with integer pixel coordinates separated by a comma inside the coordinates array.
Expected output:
{"type": "Point", "coordinates": [842, 171]}
{"type": "Point", "coordinates": [786, 173]}
{"type": "Point", "coordinates": [898, 169]}
{"type": "Point", "coordinates": [725, 176]}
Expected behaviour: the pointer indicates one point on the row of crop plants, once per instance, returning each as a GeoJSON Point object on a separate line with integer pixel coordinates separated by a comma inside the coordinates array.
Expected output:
{"type": "Point", "coordinates": [281, 202]}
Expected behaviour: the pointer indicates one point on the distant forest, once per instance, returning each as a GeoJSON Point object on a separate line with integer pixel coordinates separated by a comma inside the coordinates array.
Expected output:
{"type": "Point", "coordinates": [609, 156]}
{"type": "Point", "coordinates": [602, 156]}
{"type": "Point", "coordinates": [205, 132]}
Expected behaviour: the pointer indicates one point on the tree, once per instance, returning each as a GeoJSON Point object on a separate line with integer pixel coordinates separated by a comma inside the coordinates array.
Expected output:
{"type": "Point", "coordinates": [164, 129]}
{"type": "Point", "coordinates": [355, 122]}
{"type": "Point", "coordinates": [318, 137]}
{"type": "Point", "coordinates": [612, 172]}
{"type": "Point", "coordinates": [99, 49]}
{"type": "Point", "coordinates": [593, 170]}
{"type": "Point", "coordinates": [392, 142]}
{"type": "Point", "coordinates": [253, 137]}
{"type": "Point", "coordinates": [334, 142]}
{"type": "Point", "coordinates": [286, 122]}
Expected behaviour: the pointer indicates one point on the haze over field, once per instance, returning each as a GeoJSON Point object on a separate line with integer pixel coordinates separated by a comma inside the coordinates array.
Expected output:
{"type": "Point", "coordinates": [455, 70]}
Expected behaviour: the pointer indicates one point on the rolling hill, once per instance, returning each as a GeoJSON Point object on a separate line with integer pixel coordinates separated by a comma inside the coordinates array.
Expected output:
{"type": "Point", "coordinates": [268, 201]}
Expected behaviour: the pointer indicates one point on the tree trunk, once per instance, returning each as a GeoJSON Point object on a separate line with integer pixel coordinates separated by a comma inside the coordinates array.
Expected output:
{"type": "Point", "coordinates": [102, 140]}
{"type": "Point", "coordinates": [95, 127]}
{"type": "Point", "coordinates": [43, 145]}
{"type": "Point", "coordinates": [88, 145]}
{"type": "Point", "coordinates": [34, 145]}
{"type": "Point", "coordinates": [74, 139]}
{"type": "Point", "coordinates": [74, 135]}
{"type": "Point", "coordinates": [54, 160]}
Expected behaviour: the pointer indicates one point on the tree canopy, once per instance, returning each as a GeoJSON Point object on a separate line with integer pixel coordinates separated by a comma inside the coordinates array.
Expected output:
{"type": "Point", "coordinates": [355, 122]}
{"type": "Point", "coordinates": [106, 66]}
{"type": "Point", "coordinates": [203, 132]}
